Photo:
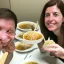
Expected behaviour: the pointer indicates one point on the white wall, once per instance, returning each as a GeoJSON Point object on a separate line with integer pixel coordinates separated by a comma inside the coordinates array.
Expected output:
{"type": "Point", "coordinates": [24, 9]}
{"type": "Point", "coordinates": [27, 9]}
{"type": "Point", "coordinates": [4, 4]}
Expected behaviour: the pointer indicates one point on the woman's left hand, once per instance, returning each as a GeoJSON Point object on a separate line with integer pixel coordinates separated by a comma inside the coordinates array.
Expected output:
{"type": "Point", "coordinates": [57, 50]}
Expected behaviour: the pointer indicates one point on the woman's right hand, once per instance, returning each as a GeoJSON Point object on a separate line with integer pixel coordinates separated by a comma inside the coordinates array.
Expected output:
{"type": "Point", "coordinates": [57, 50]}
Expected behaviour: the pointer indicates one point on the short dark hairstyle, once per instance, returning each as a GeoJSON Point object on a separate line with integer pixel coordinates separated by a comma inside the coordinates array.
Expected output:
{"type": "Point", "coordinates": [8, 14]}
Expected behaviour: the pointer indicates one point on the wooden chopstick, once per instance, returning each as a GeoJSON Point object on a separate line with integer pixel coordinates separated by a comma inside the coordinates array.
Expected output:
{"type": "Point", "coordinates": [3, 59]}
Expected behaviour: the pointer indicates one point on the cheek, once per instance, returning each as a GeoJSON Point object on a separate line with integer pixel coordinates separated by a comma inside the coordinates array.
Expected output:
{"type": "Point", "coordinates": [59, 21]}
{"type": "Point", "coordinates": [12, 37]}
{"type": "Point", "coordinates": [45, 20]}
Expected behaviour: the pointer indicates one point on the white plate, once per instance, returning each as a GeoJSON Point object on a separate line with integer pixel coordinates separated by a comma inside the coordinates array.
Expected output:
{"type": "Point", "coordinates": [20, 39]}
{"type": "Point", "coordinates": [30, 49]}
{"type": "Point", "coordinates": [17, 33]}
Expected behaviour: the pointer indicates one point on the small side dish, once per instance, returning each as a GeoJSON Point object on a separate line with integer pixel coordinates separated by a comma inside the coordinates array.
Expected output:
{"type": "Point", "coordinates": [23, 47]}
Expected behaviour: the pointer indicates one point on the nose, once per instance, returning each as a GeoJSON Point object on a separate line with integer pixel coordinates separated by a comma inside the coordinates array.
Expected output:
{"type": "Point", "coordinates": [3, 36]}
{"type": "Point", "coordinates": [51, 17]}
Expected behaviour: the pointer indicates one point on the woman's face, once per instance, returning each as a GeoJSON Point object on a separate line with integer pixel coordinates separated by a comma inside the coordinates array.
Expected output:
{"type": "Point", "coordinates": [53, 18]}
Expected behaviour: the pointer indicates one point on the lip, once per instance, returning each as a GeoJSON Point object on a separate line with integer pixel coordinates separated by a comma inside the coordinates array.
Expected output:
{"type": "Point", "coordinates": [51, 24]}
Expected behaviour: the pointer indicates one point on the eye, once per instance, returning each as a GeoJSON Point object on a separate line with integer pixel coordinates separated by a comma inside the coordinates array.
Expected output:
{"type": "Point", "coordinates": [47, 14]}
{"type": "Point", "coordinates": [55, 14]}
{"type": "Point", "coordinates": [0, 28]}
{"type": "Point", "coordinates": [10, 31]}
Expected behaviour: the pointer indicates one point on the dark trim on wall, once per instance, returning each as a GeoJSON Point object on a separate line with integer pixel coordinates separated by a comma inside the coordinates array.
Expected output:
{"type": "Point", "coordinates": [10, 4]}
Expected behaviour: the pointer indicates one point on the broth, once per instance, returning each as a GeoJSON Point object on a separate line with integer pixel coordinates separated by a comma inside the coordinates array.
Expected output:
{"type": "Point", "coordinates": [31, 62]}
{"type": "Point", "coordinates": [23, 47]}
{"type": "Point", "coordinates": [26, 26]}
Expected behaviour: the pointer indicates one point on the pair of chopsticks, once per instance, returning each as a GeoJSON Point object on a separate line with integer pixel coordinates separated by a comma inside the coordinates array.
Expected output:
{"type": "Point", "coordinates": [36, 26]}
{"type": "Point", "coordinates": [3, 59]}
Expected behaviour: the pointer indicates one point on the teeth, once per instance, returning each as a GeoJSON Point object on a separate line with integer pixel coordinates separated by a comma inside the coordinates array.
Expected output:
{"type": "Point", "coordinates": [50, 24]}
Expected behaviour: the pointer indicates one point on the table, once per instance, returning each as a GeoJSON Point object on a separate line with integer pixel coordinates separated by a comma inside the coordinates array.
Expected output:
{"type": "Point", "coordinates": [35, 54]}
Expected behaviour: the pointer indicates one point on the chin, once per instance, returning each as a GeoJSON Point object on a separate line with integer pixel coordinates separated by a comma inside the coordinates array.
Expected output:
{"type": "Point", "coordinates": [5, 45]}
{"type": "Point", "coordinates": [51, 29]}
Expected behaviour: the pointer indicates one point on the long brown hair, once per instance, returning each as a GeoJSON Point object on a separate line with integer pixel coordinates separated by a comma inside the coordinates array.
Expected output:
{"type": "Point", "coordinates": [44, 30]}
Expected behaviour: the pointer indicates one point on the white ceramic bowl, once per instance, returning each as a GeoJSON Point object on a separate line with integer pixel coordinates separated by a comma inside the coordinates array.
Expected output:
{"type": "Point", "coordinates": [19, 33]}
{"type": "Point", "coordinates": [24, 44]}
{"type": "Point", "coordinates": [33, 37]}
{"type": "Point", "coordinates": [26, 26]}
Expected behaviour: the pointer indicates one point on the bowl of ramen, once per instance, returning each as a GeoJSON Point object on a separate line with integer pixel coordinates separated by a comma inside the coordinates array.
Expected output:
{"type": "Point", "coordinates": [27, 26]}
{"type": "Point", "coordinates": [33, 37]}
{"type": "Point", "coordinates": [23, 47]}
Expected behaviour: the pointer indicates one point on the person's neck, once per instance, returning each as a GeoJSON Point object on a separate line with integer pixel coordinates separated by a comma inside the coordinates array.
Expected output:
{"type": "Point", "coordinates": [57, 33]}
{"type": "Point", "coordinates": [60, 37]}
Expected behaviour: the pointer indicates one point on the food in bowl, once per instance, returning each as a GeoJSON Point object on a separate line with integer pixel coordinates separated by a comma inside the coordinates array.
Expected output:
{"type": "Point", "coordinates": [20, 35]}
{"type": "Point", "coordinates": [48, 42]}
{"type": "Point", "coordinates": [23, 46]}
{"type": "Point", "coordinates": [31, 62]}
{"type": "Point", "coordinates": [26, 25]}
{"type": "Point", "coordinates": [32, 35]}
